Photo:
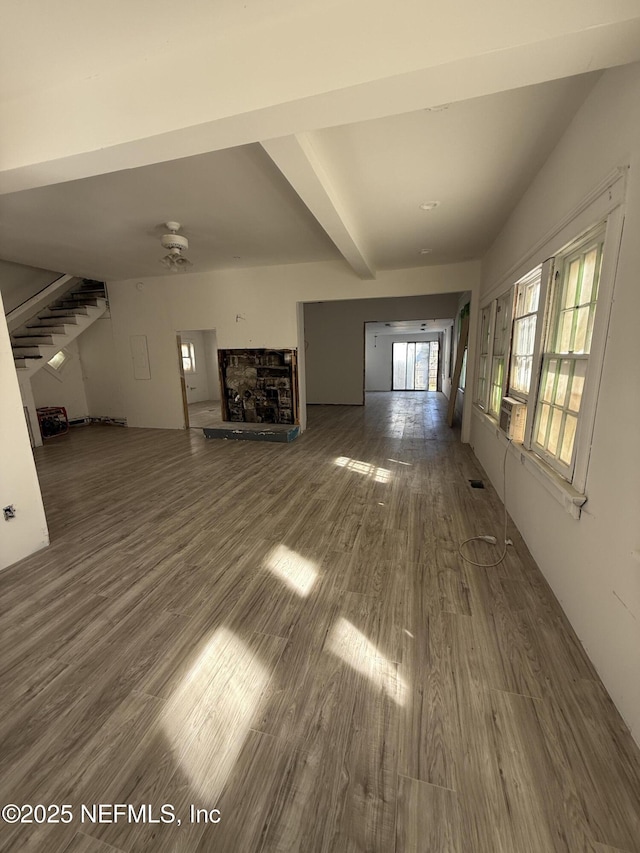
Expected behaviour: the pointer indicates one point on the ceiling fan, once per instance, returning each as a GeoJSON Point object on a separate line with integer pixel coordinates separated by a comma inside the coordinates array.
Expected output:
{"type": "Point", "coordinates": [176, 245]}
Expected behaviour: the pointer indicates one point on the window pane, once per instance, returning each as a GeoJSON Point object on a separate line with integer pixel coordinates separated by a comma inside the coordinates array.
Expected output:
{"type": "Point", "coordinates": [399, 366]}
{"type": "Point", "coordinates": [569, 300]}
{"type": "Point", "coordinates": [532, 296]}
{"type": "Point", "coordinates": [411, 365]}
{"type": "Point", "coordinates": [588, 273]}
{"type": "Point", "coordinates": [485, 329]}
{"type": "Point", "coordinates": [566, 322]}
{"type": "Point", "coordinates": [57, 360]}
{"type": "Point", "coordinates": [549, 381]}
{"type": "Point", "coordinates": [563, 382]}
{"type": "Point", "coordinates": [554, 432]}
{"type": "Point", "coordinates": [582, 324]}
{"type": "Point", "coordinates": [422, 366]}
{"type": "Point", "coordinates": [521, 373]}
{"type": "Point", "coordinates": [541, 433]}
{"type": "Point", "coordinates": [577, 385]}
{"type": "Point", "coordinates": [568, 437]}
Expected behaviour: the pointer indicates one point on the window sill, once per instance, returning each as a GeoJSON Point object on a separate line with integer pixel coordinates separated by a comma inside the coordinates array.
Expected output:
{"type": "Point", "coordinates": [563, 492]}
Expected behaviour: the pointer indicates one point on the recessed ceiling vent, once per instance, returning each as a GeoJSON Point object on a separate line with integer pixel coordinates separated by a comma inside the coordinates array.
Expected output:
{"type": "Point", "coordinates": [176, 245]}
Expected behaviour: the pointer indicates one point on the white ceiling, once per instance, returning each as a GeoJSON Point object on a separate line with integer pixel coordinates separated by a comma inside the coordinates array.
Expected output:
{"type": "Point", "coordinates": [238, 209]}
{"type": "Point", "coordinates": [314, 144]}
{"type": "Point", "coordinates": [231, 204]}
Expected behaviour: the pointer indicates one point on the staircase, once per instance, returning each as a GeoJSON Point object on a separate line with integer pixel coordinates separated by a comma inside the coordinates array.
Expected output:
{"type": "Point", "coordinates": [54, 327]}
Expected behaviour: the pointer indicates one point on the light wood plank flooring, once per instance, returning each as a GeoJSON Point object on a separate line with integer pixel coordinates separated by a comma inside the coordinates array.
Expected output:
{"type": "Point", "coordinates": [205, 414]}
{"type": "Point", "coordinates": [286, 633]}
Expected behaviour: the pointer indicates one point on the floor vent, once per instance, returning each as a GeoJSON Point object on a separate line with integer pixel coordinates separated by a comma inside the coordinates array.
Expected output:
{"type": "Point", "coordinates": [476, 484]}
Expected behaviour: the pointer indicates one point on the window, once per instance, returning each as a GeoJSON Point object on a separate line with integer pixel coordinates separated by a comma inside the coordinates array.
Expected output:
{"type": "Point", "coordinates": [549, 354]}
{"type": "Point", "coordinates": [415, 366]}
{"type": "Point", "coordinates": [58, 364]}
{"type": "Point", "coordinates": [527, 298]}
{"type": "Point", "coordinates": [58, 360]}
{"type": "Point", "coordinates": [499, 351]}
{"type": "Point", "coordinates": [564, 363]}
{"type": "Point", "coordinates": [188, 357]}
{"type": "Point", "coordinates": [483, 360]}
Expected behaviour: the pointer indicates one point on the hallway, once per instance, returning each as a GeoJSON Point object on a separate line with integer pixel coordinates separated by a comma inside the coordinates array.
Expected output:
{"type": "Point", "coordinates": [287, 633]}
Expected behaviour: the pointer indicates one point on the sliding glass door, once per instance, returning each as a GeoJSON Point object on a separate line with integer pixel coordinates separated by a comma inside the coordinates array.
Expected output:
{"type": "Point", "coordinates": [415, 366]}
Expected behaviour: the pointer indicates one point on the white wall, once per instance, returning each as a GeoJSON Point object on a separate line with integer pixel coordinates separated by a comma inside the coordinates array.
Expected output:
{"type": "Point", "coordinates": [101, 380]}
{"type": "Point", "coordinates": [379, 354]}
{"type": "Point", "coordinates": [27, 532]}
{"type": "Point", "coordinates": [593, 564]}
{"type": "Point", "coordinates": [248, 308]}
{"type": "Point", "coordinates": [66, 388]}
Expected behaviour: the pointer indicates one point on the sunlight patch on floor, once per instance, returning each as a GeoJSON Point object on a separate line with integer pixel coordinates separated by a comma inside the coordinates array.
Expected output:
{"type": "Point", "coordinates": [355, 649]}
{"type": "Point", "coordinates": [380, 475]}
{"type": "Point", "coordinates": [296, 572]}
{"type": "Point", "coordinates": [209, 716]}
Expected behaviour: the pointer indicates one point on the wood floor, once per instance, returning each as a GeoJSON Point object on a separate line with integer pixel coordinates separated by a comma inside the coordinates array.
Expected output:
{"type": "Point", "coordinates": [286, 633]}
{"type": "Point", "coordinates": [205, 414]}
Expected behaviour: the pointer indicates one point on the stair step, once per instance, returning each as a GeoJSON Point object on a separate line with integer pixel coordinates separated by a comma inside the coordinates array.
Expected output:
{"type": "Point", "coordinates": [85, 302]}
{"type": "Point", "coordinates": [61, 312]}
{"type": "Point", "coordinates": [46, 329]}
{"type": "Point", "coordinates": [83, 294]}
{"type": "Point", "coordinates": [65, 319]}
{"type": "Point", "coordinates": [58, 322]}
{"type": "Point", "coordinates": [25, 358]}
{"type": "Point", "coordinates": [26, 351]}
{"type": "Point", "coordinates": [31, 340]}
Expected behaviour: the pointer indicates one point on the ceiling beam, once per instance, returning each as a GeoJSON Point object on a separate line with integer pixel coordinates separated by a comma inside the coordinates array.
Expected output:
{"type": "Point", "coordinates": [299, 162]}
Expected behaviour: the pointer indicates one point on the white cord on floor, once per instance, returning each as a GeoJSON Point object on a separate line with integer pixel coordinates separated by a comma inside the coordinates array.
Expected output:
{"type": "Point", "coordinates": [492, 539]}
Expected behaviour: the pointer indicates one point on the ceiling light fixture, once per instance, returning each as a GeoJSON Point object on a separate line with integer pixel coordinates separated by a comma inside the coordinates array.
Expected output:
{"type": "Point", "coordinates": [176, 244]}
{"type": "Point", "coordinates": [429, 205]}
{"type": "Point", "coordinates": [425, 251]}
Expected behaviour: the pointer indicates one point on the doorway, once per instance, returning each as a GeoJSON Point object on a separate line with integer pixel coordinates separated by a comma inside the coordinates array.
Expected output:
{"type": "Point", "coordinates": [199, 376]}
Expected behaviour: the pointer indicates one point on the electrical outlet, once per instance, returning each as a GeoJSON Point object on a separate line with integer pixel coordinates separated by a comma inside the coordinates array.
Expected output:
{"type": "Point", "coordinates": [9, 512]}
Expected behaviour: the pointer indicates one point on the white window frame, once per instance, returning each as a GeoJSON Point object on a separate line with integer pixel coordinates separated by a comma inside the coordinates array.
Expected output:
{"type": "Point", "coordinates": [552, 353]}
{"type": "Point", "coordinates": [507, 299]}
{"type": "Point", "coordinates": [481, 398]}
{"type": "Point", "coordinates": [574, 479]}
{"type": "Point", "coordinates": [545, 271]}
{"type": "Point", "coordinates": [577, 476]}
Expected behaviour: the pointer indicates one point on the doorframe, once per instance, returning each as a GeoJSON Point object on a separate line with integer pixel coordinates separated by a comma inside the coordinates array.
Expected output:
{"type": "Point", "coordinates": [183, 382]}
